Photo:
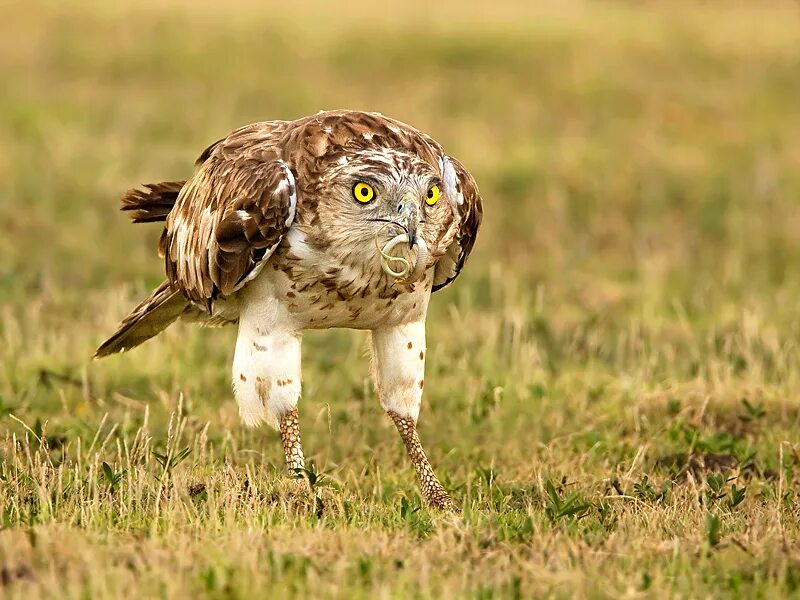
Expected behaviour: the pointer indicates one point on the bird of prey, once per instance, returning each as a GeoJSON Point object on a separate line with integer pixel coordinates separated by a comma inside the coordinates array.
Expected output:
{"type": "Point", "coordinates": [340, 219]}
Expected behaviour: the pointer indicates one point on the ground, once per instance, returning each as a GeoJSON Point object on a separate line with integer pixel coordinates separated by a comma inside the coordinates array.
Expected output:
{"type": "Point", "coordinates": [613, 382]}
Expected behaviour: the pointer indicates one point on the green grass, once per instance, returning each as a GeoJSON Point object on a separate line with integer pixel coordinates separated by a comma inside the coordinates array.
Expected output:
{"type": "Point", "coordinates": [613, 391]}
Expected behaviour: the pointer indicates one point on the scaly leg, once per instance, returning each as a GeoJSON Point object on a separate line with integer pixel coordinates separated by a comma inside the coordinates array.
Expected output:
{"type": "Point", "coordinates": [289, 426]}
{"type": "Point", "coordinates": [432, 490]}
{"type": "Point", "coordinates": [266, 377]}
{"type": "Point", "coordinates": [290, 436]}
{"type": "Point", "coordinates": [399, 354]}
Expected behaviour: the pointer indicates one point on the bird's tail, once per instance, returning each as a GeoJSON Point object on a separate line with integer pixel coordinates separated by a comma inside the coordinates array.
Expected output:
{"type": "Point", "coordinates": [152, 203]}
{"type": "Point", "coordinates": [154, 314]}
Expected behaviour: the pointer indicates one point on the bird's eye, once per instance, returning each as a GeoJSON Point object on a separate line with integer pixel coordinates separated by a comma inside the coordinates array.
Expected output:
{"type": "Point", "coordinates": [363, 192]}
{"type": "Point", "coordinates": [433, 195]}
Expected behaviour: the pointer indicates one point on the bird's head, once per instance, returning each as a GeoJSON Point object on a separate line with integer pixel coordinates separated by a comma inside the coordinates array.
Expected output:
{"type": "Point", "coordinates": [383, 192]}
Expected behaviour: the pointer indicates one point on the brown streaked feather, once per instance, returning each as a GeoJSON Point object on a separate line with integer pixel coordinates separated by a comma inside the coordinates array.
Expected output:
{"type": "Point", "coordinates": [311, 142]}
{"type": "Point", "coordinates": [153, 203]}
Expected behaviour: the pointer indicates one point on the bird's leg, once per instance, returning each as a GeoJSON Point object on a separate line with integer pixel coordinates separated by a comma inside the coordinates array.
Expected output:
{"type": "Point", "coordinates": [289, 426]}
{"type": "Point", "coordinates": [266, 379]}
{"type": "Point", "coordinates": [432, 490]}
{"type": "Point", "coordinates": [399, 354]}
{"type": "Point", "coordinates": [290, 436]}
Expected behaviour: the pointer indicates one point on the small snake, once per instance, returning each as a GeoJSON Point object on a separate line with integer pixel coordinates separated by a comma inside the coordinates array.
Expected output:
{"type": "Point", "coordinates": [405, 274]}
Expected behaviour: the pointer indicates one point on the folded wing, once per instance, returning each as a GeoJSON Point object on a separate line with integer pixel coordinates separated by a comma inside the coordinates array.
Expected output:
{"type": "Point", "coordinates": [228, 219]}
{"type": "Point", "coordinates": [462, 193]}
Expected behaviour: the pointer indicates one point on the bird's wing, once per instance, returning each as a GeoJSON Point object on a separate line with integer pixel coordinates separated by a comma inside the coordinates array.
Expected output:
{"type": "Point", "coordinates": [462, 193]}
{"type": "Point", "coordinates": [230, 216]}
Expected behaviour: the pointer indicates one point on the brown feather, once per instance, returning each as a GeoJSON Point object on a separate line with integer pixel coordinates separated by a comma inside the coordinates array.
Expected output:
{"type": "Point", "coordinates": [229, 215]}
{"type": "Point", "coordinates": [152, 203]}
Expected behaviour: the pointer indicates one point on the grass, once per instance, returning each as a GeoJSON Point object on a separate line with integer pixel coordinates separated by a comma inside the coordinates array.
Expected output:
{"type": "Point", "coordinates": [612, 383]}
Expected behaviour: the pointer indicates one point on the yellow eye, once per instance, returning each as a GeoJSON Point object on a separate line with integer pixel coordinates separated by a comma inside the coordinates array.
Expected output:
{"type": "Point", "coordinates": [363, 192]}
{"type": "Point", "coordinates": [433, 195]}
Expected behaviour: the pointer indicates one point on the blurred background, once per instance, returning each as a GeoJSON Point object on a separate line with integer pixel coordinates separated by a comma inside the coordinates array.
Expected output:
{"type": "Point", "coordinates": [639, 165]}
{"type": "Point", "coordinates": [620, 146]}
{"type": "Point", "coordinates": [640, 168]}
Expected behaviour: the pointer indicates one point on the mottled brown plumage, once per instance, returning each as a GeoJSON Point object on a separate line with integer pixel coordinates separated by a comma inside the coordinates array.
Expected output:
{"type": "Point", "coordinates": [282, 195]}
{"type": "Point", "coordinates": [153, 203]}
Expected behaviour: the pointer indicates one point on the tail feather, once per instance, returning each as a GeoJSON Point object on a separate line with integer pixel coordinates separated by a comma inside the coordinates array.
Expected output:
{"type": "Point", "coordinates": [152, 203]}
{"type": "Point", "coordinates": [154, 314]}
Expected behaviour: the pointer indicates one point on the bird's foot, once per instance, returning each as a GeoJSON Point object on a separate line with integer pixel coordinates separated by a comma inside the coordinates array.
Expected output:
{"type": "Point", "coordinates": [438, 499]}
{"type": "Point", "coordinates": [444, 504]}
{"type": "Point", "coordinates": [295, 491]}
{"type": "Point", "coordinates": [299, 482]}
{"type": "Point", "coordinates": [432, 490]}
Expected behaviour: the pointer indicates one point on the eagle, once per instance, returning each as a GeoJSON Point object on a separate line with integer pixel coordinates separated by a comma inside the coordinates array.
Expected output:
{"type": "Point", "coordinates": [339, 219]}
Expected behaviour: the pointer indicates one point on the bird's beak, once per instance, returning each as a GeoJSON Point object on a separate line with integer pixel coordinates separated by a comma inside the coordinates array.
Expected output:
{"type": "Point", "coordinates": [408, 215]}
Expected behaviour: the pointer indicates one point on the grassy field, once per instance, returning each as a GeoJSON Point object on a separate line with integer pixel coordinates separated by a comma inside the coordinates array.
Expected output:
{"type": "Point", "coordinates": [613, 383]}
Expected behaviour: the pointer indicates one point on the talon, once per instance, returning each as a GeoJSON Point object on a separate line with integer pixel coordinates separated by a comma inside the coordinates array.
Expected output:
{"type": "Point", "coordinates": [446, 506]}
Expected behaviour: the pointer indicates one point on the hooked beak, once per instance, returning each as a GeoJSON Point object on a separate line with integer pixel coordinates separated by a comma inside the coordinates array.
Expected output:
{"type": "Point", "coordinates": [408, 215]}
